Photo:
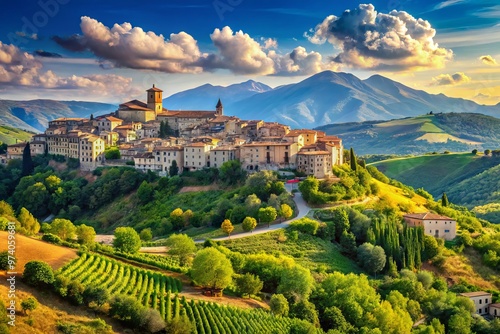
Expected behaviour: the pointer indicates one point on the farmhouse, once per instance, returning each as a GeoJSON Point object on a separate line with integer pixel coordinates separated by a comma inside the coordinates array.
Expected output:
{"type": "Point", "coordinates": [433, 224]}
{"type": "Point", "coordinates": [481, 299]}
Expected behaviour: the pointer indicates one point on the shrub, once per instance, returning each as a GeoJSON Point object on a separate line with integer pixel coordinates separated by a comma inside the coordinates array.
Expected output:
{"type": "Point", "coordinates": [305, 225]}
{"type": "Point", "coordinates": [37, 273]}
{"type": "Point", "coordinates": [53, 239]}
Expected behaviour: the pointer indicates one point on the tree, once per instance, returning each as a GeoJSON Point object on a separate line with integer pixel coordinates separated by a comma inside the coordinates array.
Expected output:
{"type": "Point", "coordinates": [348, 243]}
{"type": "Point", "coordinates": [460, 323]}
{"type": "Point", "coordinates": [296, 283]}
{"type": "Point", "coordinates": [334, 319]}
{"type": "Point", "coordinates": [126, 308]}
{"type": "Point", "coordinates": [28, 223]}
{"type": "Point", "coordinates": [187, 216]}
{"type": "Point", "coordinates": [97, 295]}
{"type": "Point", "coordinates": [4, 260]}
{"type": "Point", "coordinates": [431, 247]}
{"type": "Point", "coordinates": [126, 240]}
{"type": "Point", "coordinates": [182, 246]}
{"type": "Point", "coordinates": [377, 260]}
{"type": "Point", "coordinates": [249, 284]}
{"type": "Point", "coordinates": [6, 209]}
{"type": "Point", "coordinates": [211, 269]}
{"type": "Point", "coordinates": [85, 234]}
{"type": "Point", "coordinates": [231, 172]}
{"type": "Point", "coordinates": [179, 325]}
{"type": "Point", "coordinates": [146, 234]}
{"type": "Point", "coordinates": [145, 192]}
{"type": "Point", "coordinates": [341, 221]}
{"type": "Point", "coordinates": [252, 204]}
{"type": "Point", "coordinates": [487, 152]}
{"type": "Point", "coordinates": [63, 228]}
{"type": "Point", "coordinates": [444, 200]}
{"type": "Point", "coordinates": [29, 304]}
{"type": "Point", "coordinates": [162, 133]}
{"type": "Point", "coordinates": [173, 169]}
{"type": "Point", "coordinates": [38, 273]}
{"type": "Point", "coordinates": [279, 305]}
{"type": "Point", "coordinates": [176, 218]}
{"type": "Point", "coordinates": [152, 321]}
{"type": "Point", "coordinates": [267, 215]}
{"type": "Point", "coordinates": [27, 161]}
{"type": "Point", "coordinates": [354, 164]}
{"type": "Point", "coordinates": [249, 224]}
{"type": "Point", "coordinates": [112, 153]}
{"type": "Point", "coordinates": [474, 151]}
{"type": "Point", "coordinates": [285, 211]}
{"type": "Point", "coordinates": [227, 227]}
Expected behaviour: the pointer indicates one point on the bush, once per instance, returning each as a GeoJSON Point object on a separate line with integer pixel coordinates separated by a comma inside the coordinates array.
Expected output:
{"type": "Point", "coordinates": [305, 225]}
{"type": "Point", "coordinates": [4, 260]}
{"type": "Point", "coordinates": [37, 273]}
{"type": "Point", "coordinates": [53, 239]}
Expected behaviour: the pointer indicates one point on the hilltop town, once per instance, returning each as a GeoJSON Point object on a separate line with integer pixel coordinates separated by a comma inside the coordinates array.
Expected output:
{"type": "Point", "coordinates": [151, 137]}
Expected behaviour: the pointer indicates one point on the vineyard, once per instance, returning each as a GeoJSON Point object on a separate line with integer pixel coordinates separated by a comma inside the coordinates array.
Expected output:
{"type": "Point", "coordinates": [159, 292]}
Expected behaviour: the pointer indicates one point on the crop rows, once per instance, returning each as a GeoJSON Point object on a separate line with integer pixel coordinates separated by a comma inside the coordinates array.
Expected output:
{"type": "Point", "coordinates": [158, 291]}
{"type": "Point", "coordinates": [120, 278]}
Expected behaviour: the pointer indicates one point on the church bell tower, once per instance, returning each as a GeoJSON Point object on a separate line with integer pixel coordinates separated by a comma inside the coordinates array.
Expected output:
{"type": "Point", "coordinates": [155, 100]}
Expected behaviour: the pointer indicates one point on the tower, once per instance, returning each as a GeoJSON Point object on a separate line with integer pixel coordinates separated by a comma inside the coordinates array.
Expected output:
{"type": "Point", "coordinates": [155, 101]}
{"type": "Point", "coordinates": [219, 109]}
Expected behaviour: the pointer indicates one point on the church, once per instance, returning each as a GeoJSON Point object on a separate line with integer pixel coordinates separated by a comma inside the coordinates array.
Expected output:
{"type": "Point", "coordinates": [138, 111]}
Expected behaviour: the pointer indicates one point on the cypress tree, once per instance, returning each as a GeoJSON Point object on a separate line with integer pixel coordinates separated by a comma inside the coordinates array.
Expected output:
{"type": "Point", "coordinates": [27, 162]}
{"type": "Point", "coordinates": [354, 165]}
{"type": "Point", "coordinates": [162, 130]}
{"type": "Point", "coordinates": [444, 200]}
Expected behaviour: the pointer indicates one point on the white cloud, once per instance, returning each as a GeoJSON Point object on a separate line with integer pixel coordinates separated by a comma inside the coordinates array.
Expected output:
{"type": "Point", "coordinates": [450, 80]}
{"type": "Point", "coordinates": [448, 3]}
{"type": "Point", "coordinates": [270, 43]}
{"type": "Point", "coordinates": [372, 40]}
{"type": "Point", "coordinates": [488, 60]}
{"type": "Point", "coordinates": [300, 62]}
{"type": "Point", "coordinates": [18, 68]}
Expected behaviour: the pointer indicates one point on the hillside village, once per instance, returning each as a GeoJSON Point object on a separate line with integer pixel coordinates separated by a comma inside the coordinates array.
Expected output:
{"type": "Point", "coordinates": [153, 137]}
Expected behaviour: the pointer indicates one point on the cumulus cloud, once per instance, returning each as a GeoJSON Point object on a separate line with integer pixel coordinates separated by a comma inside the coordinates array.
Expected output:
{"type": "Point", "coordinates": [488, 60]}
{"type": "Point", "coordinates": [126, 46]}
{"type": "Point", "coordinates": [18, 68]}
{"type": "Point", "coordinates": [300, 62]}
{"type": "Point", "coordinates": [447, 79]}
{"type": "Point", "coordinates": [372, 40]}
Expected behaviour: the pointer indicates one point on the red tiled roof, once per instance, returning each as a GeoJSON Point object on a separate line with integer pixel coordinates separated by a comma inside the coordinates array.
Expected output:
{"type": "Point", "coordinates": [314, 152]}
{"type": "Point", "coordinates": [474, 294]}
{"type": "Point", "coordinates": [134, 104]}
{"type": "Point", "coordinates": [189, 113]}
{"type": "Point", "coordinates": [427, 216]}
{"type": "Point", "coordinates": [154, 89]}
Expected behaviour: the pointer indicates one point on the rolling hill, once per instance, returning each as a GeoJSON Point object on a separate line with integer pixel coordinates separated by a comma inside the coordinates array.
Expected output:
{"type": "Point", "coordinates": [10, 135]}
{"type": "Point", "coordinates": [35, 115]}
{"type": "Point", "coordinates": [327, 97]}
{"type": "Point", "coordinates": [469, 180]}
{"type": "Point", "coordinates": [421, 134]}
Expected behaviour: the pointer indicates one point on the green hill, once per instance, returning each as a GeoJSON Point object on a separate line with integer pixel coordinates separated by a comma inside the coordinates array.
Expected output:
{"type": "Point", "coordinates": [470, 180]}
{"type": "Point", "coordinates": [439, 132]}
{"type": "Point", "coordinates": [9, 135]}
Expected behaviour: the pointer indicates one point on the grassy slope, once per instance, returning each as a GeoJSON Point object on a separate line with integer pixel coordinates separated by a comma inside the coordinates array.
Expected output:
{"type": "Point", "coordinates": [309, 251]}
{"type": "Point", "coordinates": [436, 173]}
{"type": "Point", "coordinates": [9, 135]}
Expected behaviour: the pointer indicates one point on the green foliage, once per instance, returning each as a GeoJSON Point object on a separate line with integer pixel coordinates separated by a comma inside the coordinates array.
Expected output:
{"type": "Point", "coordinates": [173, 170]}
{"type": "Point", "coordinates": [285, 211]}
{"type": "Point", "coordinates": [85, 234]}
{"type": "Point", "coordinates": [296, 283]}
{"type": "Point", "coordinates": [267, 215]}
{"type": "Point", "coordinates": [231, 172]}
{"type": "Point", "coordinates": [227, 227]}
{"type": "Point", "coordinates": [279, 305]}
{"type": "Point", "coordinates": [38, 273]}
{"type": "Point", "coordinates": [444, 200]}
{"type": "Point", "coordinates": [126, 308]}
{"type": "Point", "coordinates": [145, 192]}
{"type": "Point", "coordinates": [28, 224]}
{"type": "Point", "coordinates": [63, 228]}
{"type": "Point", "coordinates": [352, 160]}
{"type": "Point", "coordinates": [112, 153]}
{"type": "Point", "coordinates": [305, 225]}
{"type": "Point", "coordinates": [27, 161]}
{"type": "Point", "coordinates": [97, 295]}
{"type": "Point", "coordinates": [4, 260]}
{"type": "Point", "coordinates": [4, 319]}
{"type": "Point", "coordinates": [126, 240]}
{"type": "Point", "coordinates": [53, 239]}
{"type": "Point", "coordinates": [176, 218]}
{"type": "Point", "coordinates": [249, 224]}
{"type": "Point", "coordinates": [248, 284]}
{"type": "Point", "coordinates": [372, 258]}
{"type": "Point", "coordinates": [211, 269]}
{"type": "Point", "coordinates": [29, 304]}
{"type": "Point", "coordinates": [182, 246]}
{"type": "Point", "coordinates": [146, 235]}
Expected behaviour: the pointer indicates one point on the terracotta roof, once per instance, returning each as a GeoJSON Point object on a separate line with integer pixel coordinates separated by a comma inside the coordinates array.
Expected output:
{"type": "Point", "coordinates": [17, 145]}
{"type": "Point", "coordinates": [495, 305]}
{"type": "Point", "coordinates": [474, 294]}
{"type": "Point", "coordinates": [168, 148]}
{"type": "Point", "coordinates": [295, 133]}
{"type": "Point", "coordinates": [134, 104]}
{"type": "Point", "coordinates": [427, 216]}
{"type": "Point", "coordinates": [314, 152]}
{"type": "Point", "coordinates": [37, 142]}
{"type": "Point", "coordinates": [199, 144]}
{"type": "Point", "coordinates": [113, 119]}
{"type": "Point", "coordinates": [154, 89]}
{"type": "Point", "coordinates": [188, 113]}
{"type": "Point", "coordinates": [124, 127]}
{"type": "Point", "coordinates": [64, 119]}
{"type": "Point", "coordinates": [270, 143]}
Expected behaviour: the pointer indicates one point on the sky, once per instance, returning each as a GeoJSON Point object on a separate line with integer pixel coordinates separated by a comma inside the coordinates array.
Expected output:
{"type": "Point", "coordinates": [111, 51]}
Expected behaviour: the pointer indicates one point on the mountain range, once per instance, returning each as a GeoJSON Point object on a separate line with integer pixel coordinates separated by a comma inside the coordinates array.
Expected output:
{"type": "Point", "coordinates": [35, 115]}
{"type": "Point", "coordinates": [324, 98]}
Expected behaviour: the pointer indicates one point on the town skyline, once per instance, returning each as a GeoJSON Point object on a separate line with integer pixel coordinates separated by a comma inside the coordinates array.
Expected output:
{"type": "Point", "coordinates": [68, 50]}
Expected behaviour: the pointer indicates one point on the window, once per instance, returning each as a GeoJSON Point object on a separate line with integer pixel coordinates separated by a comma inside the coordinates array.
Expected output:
{"type": "Point", "coordinates": [480, 301]}
{"type": "Point", "coordinates": [486, 301]}
{"type": "Point", "coordinates": [446, 231]}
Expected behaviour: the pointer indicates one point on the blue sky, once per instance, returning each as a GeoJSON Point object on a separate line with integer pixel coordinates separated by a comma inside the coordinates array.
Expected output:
{"type": "Point", "coordinates": [449, 47]}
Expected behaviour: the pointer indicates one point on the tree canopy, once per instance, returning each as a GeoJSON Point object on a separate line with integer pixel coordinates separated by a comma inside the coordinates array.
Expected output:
{"type": "Point", "coordinates": [127, 240]}
{"type": "Point", "coordinates": [212, 269]}
{"type": "Point", "coordinates": [182, 246]}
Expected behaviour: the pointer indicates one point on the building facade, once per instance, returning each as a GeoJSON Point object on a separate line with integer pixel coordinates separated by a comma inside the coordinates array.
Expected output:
{"type": "Point", "coordinates": [481, 299]}
{"type": "Point", "coordinates": [434, 225]}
